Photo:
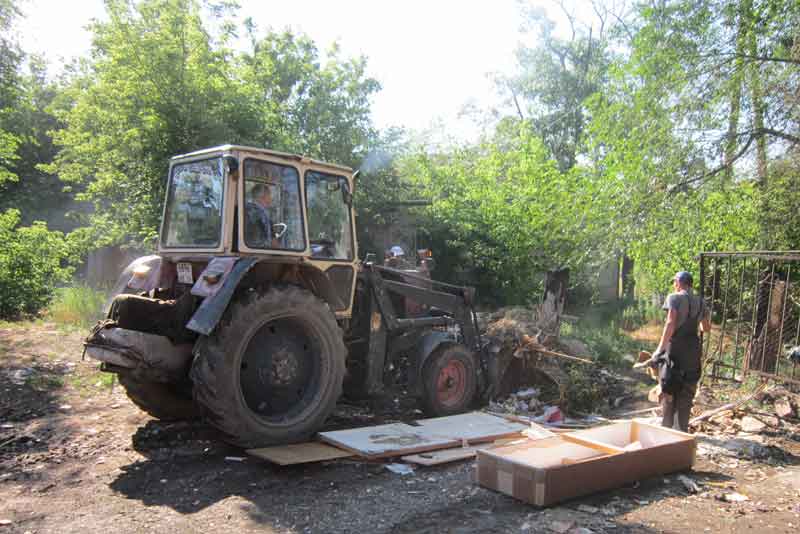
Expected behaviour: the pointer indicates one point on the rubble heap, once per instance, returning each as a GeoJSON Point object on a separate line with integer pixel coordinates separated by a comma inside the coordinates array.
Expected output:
{"type": "Point", "coordinates": [559, 371]}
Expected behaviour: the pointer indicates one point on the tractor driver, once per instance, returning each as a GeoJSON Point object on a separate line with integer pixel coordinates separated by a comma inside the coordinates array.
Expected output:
{"type": "Point", "coordinates": [259, 225]}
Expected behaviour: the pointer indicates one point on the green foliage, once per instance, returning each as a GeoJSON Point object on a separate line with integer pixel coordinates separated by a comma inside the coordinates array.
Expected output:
{"type": "Point", "coordinates": [602, 331]}
{"type": "Point", "coordinates": [10, 59]}
{"type": "Point", "coordinates": [640, 312]}
{"type": "Point", "coordinates": [506, 212]}
{"type": "Point", "coordinates": [585, 394]}
{"type": "Point", "coordinates": [780, 202]}
{"type": "Point", "coordinates": [78, 305]}
{"type": "Point", "coordinates": [32, 264]}
{"type": "Point", "coordinates": [691, 222]}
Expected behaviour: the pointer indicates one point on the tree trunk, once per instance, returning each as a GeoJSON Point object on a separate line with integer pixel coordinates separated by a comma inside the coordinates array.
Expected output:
{"type": "Point", "coordinates": [732, 141]}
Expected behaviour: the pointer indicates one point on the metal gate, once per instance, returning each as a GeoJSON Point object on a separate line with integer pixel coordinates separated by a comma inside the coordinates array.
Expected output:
{"type": "Point", "coordinates": [754, 299]}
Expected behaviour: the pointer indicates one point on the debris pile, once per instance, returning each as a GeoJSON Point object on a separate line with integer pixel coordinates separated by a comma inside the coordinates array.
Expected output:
{"type": "Point", "coordinates": [536, 371]}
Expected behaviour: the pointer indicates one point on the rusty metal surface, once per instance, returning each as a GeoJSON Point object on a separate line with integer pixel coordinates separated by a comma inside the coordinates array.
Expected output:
{"type": "Point", "coordinates": [754, 301]}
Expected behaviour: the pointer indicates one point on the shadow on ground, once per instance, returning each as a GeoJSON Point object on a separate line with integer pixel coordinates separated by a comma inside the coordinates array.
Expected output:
{"type": "Point", "coordinates": [189, 472]}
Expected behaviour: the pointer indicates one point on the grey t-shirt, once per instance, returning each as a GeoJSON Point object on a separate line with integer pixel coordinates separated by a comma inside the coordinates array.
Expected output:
{"type": "Point", "coordinates": [680, 301]}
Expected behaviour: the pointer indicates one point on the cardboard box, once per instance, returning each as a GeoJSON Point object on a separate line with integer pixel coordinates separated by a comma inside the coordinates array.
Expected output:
{"type": "Point", "coordinates": [549, 470]}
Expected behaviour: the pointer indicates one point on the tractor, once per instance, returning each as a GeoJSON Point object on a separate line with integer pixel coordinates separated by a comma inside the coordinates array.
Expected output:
{"type": "Point", "coordinates": [257, 314]}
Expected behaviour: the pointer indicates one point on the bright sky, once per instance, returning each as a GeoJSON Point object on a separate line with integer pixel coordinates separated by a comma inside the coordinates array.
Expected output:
{"type": "Point", "coordinates": [432, 57]}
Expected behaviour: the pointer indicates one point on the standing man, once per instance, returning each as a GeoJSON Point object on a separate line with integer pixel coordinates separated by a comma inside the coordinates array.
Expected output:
{"type": "Point", "coordinates": [685, 313]}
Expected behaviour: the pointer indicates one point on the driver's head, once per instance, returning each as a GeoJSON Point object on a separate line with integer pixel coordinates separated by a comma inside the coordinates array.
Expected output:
{"type": "Point", "coordinates": [262, 195]}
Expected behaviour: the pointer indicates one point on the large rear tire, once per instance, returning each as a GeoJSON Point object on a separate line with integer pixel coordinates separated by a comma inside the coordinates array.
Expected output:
{"type": "Point", "coordinates": [167, 402]}
{"type": "Point", "coordinates": [272, 370]}
{"type": "Point", "coordinates": [449, 381]}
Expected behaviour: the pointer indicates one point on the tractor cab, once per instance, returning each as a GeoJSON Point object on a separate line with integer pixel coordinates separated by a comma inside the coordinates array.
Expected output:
{"type": "Point", "coordinates": [233, 200]}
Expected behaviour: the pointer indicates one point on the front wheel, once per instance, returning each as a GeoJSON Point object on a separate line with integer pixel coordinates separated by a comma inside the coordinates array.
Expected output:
{"type": "Point", "coordinates": [272, 371]}
{"type": "Point", "coordinates": [449, 381]}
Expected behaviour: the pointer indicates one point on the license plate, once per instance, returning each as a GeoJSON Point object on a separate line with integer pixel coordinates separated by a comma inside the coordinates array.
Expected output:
{"type": "Point", "coordinates": [185, 273]}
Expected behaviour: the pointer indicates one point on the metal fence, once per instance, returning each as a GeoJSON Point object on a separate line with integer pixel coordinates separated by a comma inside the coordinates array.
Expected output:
{"type": "Point", "coordinates": [754, 300]}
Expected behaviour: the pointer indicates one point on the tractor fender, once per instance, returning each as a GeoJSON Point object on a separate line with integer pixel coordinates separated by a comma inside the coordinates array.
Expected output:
{"type": "Point", "coordinates": [427, 345]}
{"type": "Point", "coordinates": [209, 313]}
{"type": "Point", "coordinates": [216, 301]}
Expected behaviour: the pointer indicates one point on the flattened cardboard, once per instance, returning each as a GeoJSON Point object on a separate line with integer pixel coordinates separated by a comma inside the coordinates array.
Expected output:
{"type": "Point", "coordinates": [550, 470]}
{"type": "Point", "coordinates": [299, 453]}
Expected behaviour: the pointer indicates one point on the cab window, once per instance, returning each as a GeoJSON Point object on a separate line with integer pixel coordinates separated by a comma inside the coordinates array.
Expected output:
{"type": "Point", "coordinates": [328, 207]}
{"type": "Point", "coordinates": [272, 216]}
{"type": "Point", "coordinates": [193, 214]}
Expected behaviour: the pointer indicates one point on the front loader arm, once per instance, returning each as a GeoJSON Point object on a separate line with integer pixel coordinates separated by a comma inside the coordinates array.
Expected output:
{"type": "Point", "coordinates": [455, 301]}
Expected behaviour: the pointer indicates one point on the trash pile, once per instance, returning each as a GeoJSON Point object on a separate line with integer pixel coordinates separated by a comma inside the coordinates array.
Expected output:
{"type": "Point", "coordinates": [774, 409]}
{"type": "Point", "coordinates": [540, 375]}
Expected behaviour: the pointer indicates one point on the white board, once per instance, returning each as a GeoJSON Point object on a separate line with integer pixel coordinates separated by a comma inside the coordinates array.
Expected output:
{"type": "Point", "coordinates": [474, 427]}
{"type": "Point", "coordinates": [396, 439]}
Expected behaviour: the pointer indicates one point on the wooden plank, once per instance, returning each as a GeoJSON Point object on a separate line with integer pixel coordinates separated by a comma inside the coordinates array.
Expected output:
{"type": "Point", "coordinates": [592, 444]}
{"type": "Point", "coordinates": [473, 427]}
{"type": "Point", "coordinates": [383, 441]}
{"type": "Point", "coordinates": [299, 453]}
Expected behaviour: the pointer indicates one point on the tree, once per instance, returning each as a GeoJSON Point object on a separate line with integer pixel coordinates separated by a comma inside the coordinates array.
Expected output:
{"type": "Point", "coordinates": [37, 194]}
{"type": "Point", "coordinates": [10, 59]}
{"type": "Point", "coordinates": [305, 106]}
{"type": "Point", "coordinates": [503, 214]}
{"type": "Point", "coordinates": [557, 76]}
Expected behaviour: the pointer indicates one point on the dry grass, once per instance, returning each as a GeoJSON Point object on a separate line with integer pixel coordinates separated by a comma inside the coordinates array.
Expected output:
{"type": "Point", "coordinates": [78, 306]}
{"type": "Point", "coordinates": [648, 333]}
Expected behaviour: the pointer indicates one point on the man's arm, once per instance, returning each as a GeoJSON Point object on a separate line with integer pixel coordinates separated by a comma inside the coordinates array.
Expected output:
{"type": "Point", "coordinates": [669, 329]}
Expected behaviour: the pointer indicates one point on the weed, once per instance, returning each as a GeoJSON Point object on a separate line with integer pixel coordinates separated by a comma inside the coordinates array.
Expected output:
{"type": "Point", "coordinates": [605, 329]}
{"type": "Point", "coordinates": [79, 306]}
{"type": "Point", "coordinates": [639, 313]}
{"type": "Point", "coordinates": [86, 384]}
{"type": "Point", "coordinates": [584, 394]}
{"type": "Point", "coordinates": [45, 382]}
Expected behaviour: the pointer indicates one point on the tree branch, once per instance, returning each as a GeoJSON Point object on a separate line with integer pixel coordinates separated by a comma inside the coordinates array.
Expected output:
{"type": "Point", "coordinates": [716, 170]}
{"type": "Point", "coordinates": [516, 103]}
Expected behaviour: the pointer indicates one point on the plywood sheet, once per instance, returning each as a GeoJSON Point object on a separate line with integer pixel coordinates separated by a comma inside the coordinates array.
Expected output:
{"type": "Point", "coordinates": [299, 453]}
{"type": "Point", "coordinates": [381, 441]}
{"type": "Point", "coordinates": [473, 427]}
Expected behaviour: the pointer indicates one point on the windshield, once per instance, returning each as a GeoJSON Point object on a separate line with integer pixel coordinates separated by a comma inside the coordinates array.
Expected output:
{"type": "Point", "coordinates": [193, 216]}
{"type": "Point", "coordinates": [327, 199]}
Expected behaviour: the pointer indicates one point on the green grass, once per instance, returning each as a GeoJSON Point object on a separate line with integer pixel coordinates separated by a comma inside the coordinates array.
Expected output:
{"type": "Point", "coordinates": [43, 382]}
{"type": "Point", "coordinates": [79, 306]}
{"type": "Point", "coordinates": [86, 384]}
{"type": "Point", "coordinates": [605, 329]}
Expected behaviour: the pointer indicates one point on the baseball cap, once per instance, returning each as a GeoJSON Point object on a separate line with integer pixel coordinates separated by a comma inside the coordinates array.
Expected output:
{"type": "Point", "coordinates": [684, 277]}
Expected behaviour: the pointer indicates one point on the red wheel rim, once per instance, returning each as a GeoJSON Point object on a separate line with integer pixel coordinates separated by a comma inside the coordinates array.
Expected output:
{"type": "Point", "coordinates": [451, 383]}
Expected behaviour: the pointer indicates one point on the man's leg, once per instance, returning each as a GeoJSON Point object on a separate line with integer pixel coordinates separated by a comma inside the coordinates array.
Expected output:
{"type": "Point", "coordinates": [667, 410]}
{"type": "Point", "coordinates": [684, 402]}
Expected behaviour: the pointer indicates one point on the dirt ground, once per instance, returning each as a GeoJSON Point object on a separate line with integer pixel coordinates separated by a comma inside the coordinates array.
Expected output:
{"type": "Point", "coordinates": [77, 456]}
